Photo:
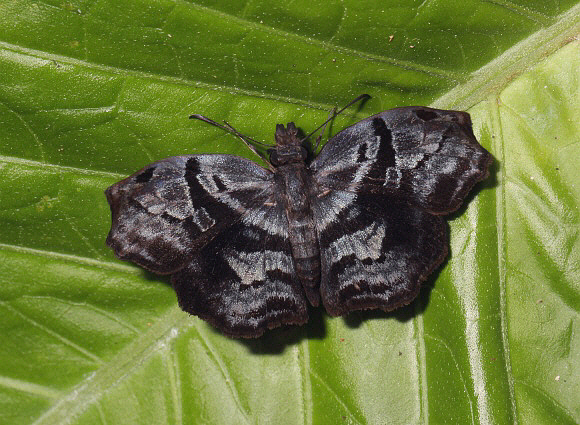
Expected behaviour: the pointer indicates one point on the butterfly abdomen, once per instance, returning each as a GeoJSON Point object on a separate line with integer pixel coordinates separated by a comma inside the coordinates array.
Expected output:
{"type": "Point", "coordinates": [296, 185]}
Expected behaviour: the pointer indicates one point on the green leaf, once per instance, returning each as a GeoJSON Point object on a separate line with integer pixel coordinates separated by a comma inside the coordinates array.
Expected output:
{"type": "Point", "coordinates": [92, 91]}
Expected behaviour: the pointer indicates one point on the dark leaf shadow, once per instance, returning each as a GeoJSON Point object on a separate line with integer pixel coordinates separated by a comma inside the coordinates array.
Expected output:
{"type": "Point", "coordinates": [277, 340]}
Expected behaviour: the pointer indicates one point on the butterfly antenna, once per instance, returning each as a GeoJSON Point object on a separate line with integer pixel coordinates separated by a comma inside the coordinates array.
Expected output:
{"type": "Point", "coordinates": [237, 133]}
{"type": "Point", "coordinates": [362, 97]}
{"type": "Point", "coordinates": [227, 127]}
{"type": "Point", "coordinates": [331, 114]}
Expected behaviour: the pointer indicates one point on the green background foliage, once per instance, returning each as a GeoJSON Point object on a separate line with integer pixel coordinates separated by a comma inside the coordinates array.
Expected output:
{"type": "Point", "coordinates": [91, 91]}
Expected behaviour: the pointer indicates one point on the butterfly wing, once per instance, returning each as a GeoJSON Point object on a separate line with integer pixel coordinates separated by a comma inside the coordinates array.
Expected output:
{"type": "Point", "coordinates": [426, 157]}
{"type": "Point", "coordinates": [213, 223]}
{"type": "Point", "coordinates": [383, 184]}
{"type": "Point", "coordinates": [375, 250]}
{"type": "Point", "coordinates": [164, 212]}
{"type": "Point", "coordinates": [243, 281]}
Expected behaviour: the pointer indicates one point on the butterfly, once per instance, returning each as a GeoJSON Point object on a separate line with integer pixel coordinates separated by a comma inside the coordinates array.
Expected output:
{"type": "Point", "coordinates": [359, 226]}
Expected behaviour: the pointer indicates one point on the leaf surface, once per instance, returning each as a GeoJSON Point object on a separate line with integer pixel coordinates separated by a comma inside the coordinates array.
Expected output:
{"type": "Point", "coordinates": [92, 91]}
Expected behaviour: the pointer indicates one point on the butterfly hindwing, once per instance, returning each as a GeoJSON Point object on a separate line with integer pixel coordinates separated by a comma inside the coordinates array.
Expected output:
{"type": "Point", "coordinates": [426, 157]}
{"type": "Point", "coordinates": [375, 251]}
{"type": "Point", "coordinates": [243, 281]}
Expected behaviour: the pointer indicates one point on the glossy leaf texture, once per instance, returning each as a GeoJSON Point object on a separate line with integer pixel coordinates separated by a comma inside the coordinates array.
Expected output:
{"type": "Point", "coordinates": [92, 91]}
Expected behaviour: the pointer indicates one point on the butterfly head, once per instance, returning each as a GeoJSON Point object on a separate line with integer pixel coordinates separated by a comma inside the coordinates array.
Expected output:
{"type": "Point", "coordinates": [288, 146]}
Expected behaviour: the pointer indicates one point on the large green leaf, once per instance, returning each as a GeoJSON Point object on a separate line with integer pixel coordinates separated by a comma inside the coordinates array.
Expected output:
{"type": "Point", "coordinates": [92, 91]}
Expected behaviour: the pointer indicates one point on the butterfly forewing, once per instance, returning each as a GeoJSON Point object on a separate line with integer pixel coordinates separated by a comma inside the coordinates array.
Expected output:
{"type": "Point", "coordinates": [167, 210]}
{"type": "Point", "coordinates": [426, 157]}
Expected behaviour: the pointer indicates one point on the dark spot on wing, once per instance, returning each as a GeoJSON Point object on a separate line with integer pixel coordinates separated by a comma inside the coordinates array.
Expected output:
{"type": "Point", "coordinates": [362, 153]}
{"type": "Point", "coordinates": [196, 191]}
{"type": "Point", "coordinates": [145, 176]}
{"type": "Point", "coordinates": [386, 153]}
{"type": "Point", "coordinates": [426, 115]}
{"type": "Point", "coordinates": [219, 183]}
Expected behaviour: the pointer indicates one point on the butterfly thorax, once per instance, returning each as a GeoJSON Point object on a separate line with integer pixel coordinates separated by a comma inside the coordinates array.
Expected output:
{"type": "Point", "coordinates": [288, 148]}
{"type": "Point", "coordinates": [295, 186]}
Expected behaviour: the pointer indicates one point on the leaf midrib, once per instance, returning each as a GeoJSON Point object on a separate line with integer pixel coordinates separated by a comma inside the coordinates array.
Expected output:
{"type": "Point", "coordinates": [167, 328]}
{"type": "Point", "coordinates": [495, 75]}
